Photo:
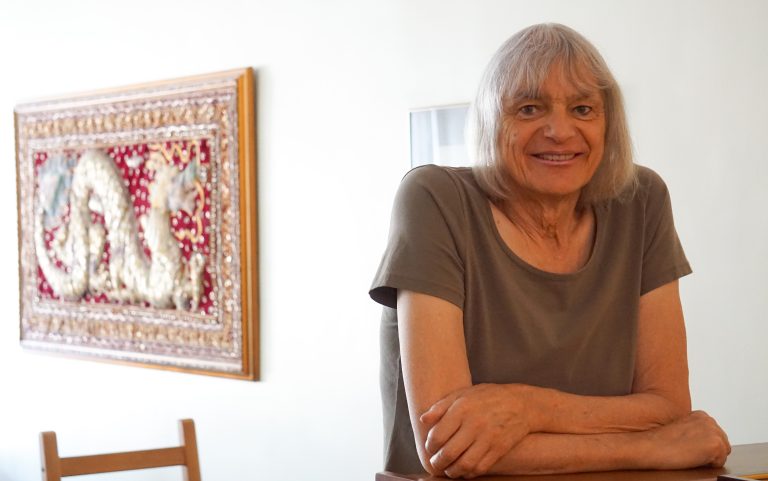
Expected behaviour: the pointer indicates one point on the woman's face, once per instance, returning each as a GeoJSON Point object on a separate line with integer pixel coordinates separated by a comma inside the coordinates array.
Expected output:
{"type": "Point", "coordinates": [552, 144]}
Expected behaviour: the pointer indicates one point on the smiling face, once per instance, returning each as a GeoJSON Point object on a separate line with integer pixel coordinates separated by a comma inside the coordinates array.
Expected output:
{"type": "Point", "coordinates": [552, 142]}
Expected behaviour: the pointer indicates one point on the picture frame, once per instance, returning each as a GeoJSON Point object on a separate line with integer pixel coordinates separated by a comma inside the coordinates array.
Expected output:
{"type": "Point", "coordinates": [137, 224]}
{"type": "Point", "coordinates": [438, 135]}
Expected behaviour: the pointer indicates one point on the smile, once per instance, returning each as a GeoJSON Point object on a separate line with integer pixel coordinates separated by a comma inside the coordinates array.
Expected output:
{"type": "Point", "coordinates": [556, 158]}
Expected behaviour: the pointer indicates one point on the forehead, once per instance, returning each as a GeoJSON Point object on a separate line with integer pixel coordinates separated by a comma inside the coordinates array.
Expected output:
{"type": "Point", "coordinates": [559, 80]}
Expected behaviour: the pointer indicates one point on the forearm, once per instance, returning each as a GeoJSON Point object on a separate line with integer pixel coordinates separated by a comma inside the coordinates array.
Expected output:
{"type": "Point", "coordinates": [555, 411]}
{"type": "Point", "coordinates": [660, 392]}
{"type": "Point", "coordinates": [543, 453]}
{"type": "Point", "coordinates": [501, 415]}
{"type": "Point", "coordinates": [695, 440]}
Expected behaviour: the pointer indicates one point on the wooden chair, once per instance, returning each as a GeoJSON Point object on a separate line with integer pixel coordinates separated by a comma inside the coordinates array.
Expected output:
{"type": "Point", "coordinates": [55, 468]}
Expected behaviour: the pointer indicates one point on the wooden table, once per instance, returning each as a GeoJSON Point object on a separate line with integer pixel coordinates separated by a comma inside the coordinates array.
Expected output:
{"type": "Point", "coordinates": [745, 459]}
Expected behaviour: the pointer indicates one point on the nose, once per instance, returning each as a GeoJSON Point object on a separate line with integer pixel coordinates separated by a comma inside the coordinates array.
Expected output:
{"type": "Point", "coordinates": [559, 126]}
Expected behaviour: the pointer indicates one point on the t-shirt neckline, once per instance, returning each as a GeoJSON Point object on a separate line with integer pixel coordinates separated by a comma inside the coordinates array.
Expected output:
{"type": "Point", "coordinates": [599, 222]}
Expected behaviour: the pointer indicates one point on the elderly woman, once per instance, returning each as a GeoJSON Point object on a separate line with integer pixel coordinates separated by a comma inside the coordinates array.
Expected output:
{"type": "Point", "coordinates": [532, 320]}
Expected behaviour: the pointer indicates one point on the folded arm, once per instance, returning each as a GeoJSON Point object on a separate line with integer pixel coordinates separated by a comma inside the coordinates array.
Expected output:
{"type": "Point", "coordinates": [660, 392]}
{"type": "Point", "coordinates": [694, 440]}
{"type": "Point", "coordinates": [455, 421]}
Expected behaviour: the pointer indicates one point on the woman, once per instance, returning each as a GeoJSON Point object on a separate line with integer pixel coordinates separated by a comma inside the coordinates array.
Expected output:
{"type": "Point", "coordinates": [532, 319]}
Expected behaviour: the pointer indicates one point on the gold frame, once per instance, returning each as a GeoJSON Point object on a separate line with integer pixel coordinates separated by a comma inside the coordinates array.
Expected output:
{"type": "Point", "coordinates": [217, 108]}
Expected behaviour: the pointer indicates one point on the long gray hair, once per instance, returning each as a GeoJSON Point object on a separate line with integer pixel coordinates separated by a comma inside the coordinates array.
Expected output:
{"type": "Point", "coordinates": [520, 66]}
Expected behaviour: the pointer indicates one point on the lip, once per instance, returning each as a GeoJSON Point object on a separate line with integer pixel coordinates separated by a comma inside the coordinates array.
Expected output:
{"type": "Point", "coordinates": [552, 158]}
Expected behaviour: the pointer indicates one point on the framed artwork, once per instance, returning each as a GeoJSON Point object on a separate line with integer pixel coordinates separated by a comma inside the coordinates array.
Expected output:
{"type": "Point", "coordinates": [437, 136]}
{"type": "Point", "coordinates": [137, 224]}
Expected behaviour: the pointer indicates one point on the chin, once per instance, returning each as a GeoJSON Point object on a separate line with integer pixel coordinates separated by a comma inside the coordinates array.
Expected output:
{"type": "Point", "coordinates": [549, 189]}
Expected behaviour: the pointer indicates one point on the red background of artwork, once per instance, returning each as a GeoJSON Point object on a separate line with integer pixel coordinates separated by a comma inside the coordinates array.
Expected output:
{"type": "Point", "coordinates": [137, 181]}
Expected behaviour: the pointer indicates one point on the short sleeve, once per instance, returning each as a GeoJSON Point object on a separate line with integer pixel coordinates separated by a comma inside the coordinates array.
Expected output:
{"type": "Point", "coordinates": [423, 252]}
{"type": "Point", "coordinates": [663, 257]}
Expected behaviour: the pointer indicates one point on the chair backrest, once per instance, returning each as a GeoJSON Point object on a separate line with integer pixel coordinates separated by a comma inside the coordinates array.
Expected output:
{"type": "Point", "coordinates": [55, 468]}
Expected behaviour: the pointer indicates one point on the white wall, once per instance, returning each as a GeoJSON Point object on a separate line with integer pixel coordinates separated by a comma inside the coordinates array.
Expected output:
{"type": "Point", "coordinates": [335, 82]}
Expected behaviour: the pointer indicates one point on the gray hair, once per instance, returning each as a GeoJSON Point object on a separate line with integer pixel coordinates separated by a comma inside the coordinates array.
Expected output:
{"type": "Point", "coordinates": [520, 67]}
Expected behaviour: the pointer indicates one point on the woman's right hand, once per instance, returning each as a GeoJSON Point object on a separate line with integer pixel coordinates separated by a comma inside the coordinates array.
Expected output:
{"type": "Point", "coordinates": [692, 441]}
{"type": "Point", "coordinates": [470, 429]}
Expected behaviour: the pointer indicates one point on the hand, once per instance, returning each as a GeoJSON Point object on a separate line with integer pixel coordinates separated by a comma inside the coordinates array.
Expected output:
{"type": "Point", "coordinates": [470, 429]}
{"type": "Point", "coordinates": [695, 440]}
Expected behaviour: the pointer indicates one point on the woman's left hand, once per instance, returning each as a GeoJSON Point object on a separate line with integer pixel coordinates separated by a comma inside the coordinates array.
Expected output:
{"type": "Point", "coordinates": [470, 429]}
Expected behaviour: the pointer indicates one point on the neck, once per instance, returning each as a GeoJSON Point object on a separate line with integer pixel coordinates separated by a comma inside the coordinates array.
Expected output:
{"type": "Point", "coordinates": [551, 220]}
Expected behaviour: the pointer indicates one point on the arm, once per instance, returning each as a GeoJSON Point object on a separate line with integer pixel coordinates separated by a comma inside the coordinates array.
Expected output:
{"type": "Point", "coordinates": [433, 355]}
{"type": "Point", "coordinates": [694, 440]}
{"type": "Point", "coordinates": [660, 391]}
{"type": "Point", "coordinates": [493, 418]}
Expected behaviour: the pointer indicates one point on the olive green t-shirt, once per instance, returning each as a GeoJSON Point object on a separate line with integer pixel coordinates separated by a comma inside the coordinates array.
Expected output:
{"type": "Point", "coordinates": [572, 332]}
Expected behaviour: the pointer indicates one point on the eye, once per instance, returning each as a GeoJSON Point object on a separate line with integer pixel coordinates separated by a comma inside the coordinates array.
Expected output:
{"type": "Point", "coordinates": [583, 110]}
{"type": "Point", "coordinates": [528, 110]}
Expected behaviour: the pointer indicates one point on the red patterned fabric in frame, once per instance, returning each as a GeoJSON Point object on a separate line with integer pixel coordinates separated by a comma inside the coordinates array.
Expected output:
{"type": "Point", "coordinates": [191, 229]}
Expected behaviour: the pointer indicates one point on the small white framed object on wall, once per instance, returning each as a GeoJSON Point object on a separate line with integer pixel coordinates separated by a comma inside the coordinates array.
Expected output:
{"type": "Point", "coordinates": [438, 136]}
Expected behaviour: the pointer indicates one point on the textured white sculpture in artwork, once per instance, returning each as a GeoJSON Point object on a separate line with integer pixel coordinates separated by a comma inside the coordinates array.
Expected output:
{"type": "Point", "coordinates": [95, 184]}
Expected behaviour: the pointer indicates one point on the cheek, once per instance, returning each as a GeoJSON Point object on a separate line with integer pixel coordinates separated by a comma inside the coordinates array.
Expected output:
{"type": "Point", "coordinates": [599, 145]}
{"type": "Point", "coordinates": [598, 138]}
{"type": "Point", "coordinates": [595, 139]}
{"type": "Point", "coordinates": [507, 140]}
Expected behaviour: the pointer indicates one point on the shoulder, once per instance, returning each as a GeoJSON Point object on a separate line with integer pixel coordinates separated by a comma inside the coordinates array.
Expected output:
{"type": "Point", "coordinates": [651, 186]}
{"type": "Point", "coordinates": [441, 185]}
{"type": "Point", "coordinates": [649, 207]}
{"type": "Point", "coordinates": [433, 177]}
{"type": "Point", "coordinates": [649, 192]}
{"type": "Point", "coordinates": [649, 202]}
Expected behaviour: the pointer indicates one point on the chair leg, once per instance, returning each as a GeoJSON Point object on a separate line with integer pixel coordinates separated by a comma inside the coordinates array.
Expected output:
{"type": "Point", "coordinates": [51, 464]}
{"type": "Point", "coordinates": [189, 441]}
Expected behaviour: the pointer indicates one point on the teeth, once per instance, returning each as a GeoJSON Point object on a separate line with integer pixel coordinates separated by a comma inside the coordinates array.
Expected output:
{"type": "Point", "coordinates": [556, 157]}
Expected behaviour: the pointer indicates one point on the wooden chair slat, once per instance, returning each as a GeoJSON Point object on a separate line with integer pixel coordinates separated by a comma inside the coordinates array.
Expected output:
{"type": "Point", "coordinates": [107, 463]}
{"type": "Point", "coordinates": [54, 467]}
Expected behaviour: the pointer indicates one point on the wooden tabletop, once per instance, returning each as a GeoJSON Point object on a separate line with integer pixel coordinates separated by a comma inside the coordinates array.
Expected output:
{"type": "Point", "coordinates": [744, 459]}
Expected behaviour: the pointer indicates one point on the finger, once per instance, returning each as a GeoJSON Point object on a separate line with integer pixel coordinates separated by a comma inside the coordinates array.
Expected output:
{"type": "Point", "coordinates": [483, 452]}
{"type": "Point", "coordinates": [467, 464]}
{"type": "Point", "coordinates": [724, 436]}
{"type": "Point", "coordinates": [441, 432]}
{"type": "Point", "coordinates": [452, 449]}
{"type": "Point", "coordinates": [722, 451]}
{"type": "Point", "coordinates": [437, 410]}
{"type": "Point", "coordinates": [491, 457]}
{"type": "Point", "coordinates": [718, 462]}
{"type": "Point", "coordinates": [455, 472]}
{"type": "Point", "coordinates": [726, 440]}
{"type": "Point", "coordinates": [727, 444]}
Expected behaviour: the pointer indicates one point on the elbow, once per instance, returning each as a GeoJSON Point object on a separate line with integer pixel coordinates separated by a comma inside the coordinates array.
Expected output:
{"type": "Point", "coordinates": [679, 406]}
{"type": "Point", "coordinates": [660, 409]}
{"type": "Point", "coordinates": [680, 409]}
{"type": "Point", "coordinates": [674, 409]}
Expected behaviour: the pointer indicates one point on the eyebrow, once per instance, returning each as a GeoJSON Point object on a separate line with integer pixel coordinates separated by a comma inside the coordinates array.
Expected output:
{"type": "Point", "coordinates": [582, 94]}
{"type": "Point", "coordinates": [586, 96]}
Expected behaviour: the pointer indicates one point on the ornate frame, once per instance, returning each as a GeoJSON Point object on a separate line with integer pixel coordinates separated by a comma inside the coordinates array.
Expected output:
{"type": "Point", "coordinates": [137, 221]}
